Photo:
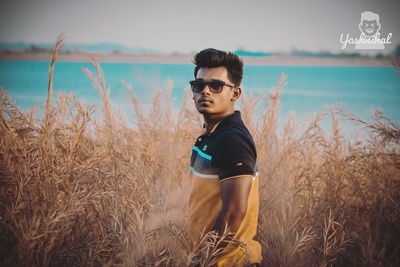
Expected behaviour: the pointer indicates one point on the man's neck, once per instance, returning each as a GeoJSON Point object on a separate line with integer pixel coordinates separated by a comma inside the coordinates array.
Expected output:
{"type": "Point", "coordinates": [211, 120]}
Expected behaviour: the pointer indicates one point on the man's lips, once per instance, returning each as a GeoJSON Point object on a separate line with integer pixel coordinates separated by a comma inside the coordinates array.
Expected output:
{"type": "Point", "coordinates": [204, 100]}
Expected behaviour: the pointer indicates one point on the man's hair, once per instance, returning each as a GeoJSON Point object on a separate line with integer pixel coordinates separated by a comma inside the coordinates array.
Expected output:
{"type": "Point", "coordinates": [212, 58]}
{"type": "Point", "coordinates": [368, 15]}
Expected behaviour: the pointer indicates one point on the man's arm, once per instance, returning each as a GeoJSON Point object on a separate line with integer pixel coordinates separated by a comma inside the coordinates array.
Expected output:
{"type": "Point", "coordinates": [234, 195]}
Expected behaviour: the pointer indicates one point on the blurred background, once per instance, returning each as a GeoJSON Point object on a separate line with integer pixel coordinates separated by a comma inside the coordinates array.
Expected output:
{"type": "Point", "coordinates": [150, 45]}
{"type": "Point", "coordinates": [84, 189]}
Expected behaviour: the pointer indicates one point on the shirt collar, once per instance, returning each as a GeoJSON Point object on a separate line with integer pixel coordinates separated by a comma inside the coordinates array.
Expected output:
{"type": "Point", "coordinates": [230, 120]}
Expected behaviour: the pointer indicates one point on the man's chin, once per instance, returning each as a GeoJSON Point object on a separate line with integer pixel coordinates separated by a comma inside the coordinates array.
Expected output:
{"type": "Point", "coordinates": [205, 110]}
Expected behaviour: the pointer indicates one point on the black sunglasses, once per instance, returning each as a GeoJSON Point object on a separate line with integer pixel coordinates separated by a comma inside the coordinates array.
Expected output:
{"type": "Point", "coordinates": [216, 86]}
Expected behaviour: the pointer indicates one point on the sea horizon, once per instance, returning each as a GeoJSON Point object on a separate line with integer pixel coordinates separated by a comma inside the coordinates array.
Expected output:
{"type": "Point", "coordinates": [310, 89]}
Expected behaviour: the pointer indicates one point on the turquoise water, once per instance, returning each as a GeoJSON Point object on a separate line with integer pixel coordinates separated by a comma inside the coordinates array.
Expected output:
{"type": "Point", "coordinates": [309, 89]}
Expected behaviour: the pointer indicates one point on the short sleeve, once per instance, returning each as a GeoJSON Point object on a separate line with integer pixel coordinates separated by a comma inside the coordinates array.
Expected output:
{"type": "Point", "coordinates": [235, 155]}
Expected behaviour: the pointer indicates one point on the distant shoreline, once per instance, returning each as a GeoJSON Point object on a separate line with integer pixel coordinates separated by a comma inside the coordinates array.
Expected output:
{"type": "Point", "coordinates": [273, 60]}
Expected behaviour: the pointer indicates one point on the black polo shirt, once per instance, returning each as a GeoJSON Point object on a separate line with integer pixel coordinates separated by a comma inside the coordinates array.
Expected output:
{"type": "Point", "coordinates": [226, 152]}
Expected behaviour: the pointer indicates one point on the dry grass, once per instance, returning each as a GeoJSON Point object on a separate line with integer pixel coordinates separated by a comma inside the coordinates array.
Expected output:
{"type": "Point", "coordinates": [81, 191]}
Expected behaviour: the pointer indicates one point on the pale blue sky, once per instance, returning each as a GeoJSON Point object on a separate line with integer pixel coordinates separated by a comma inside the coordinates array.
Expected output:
{"type": "Point", "coordinates": [187, 26]}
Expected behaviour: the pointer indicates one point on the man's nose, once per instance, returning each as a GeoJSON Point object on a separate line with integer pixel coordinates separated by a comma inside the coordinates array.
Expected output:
{"type": "Point", "coordinates": [206, 90]}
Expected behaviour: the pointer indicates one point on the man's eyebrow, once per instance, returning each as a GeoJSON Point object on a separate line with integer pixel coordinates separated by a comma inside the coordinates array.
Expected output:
{"type": "Point", "coordinates": [211, 80]}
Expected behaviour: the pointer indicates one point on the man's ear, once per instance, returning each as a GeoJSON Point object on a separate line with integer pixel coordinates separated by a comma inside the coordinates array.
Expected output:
{"type": "Point", "coordinates": [360, 27]}
{"type": "Point", "coordinates": [237, 91]}
{"type": "Point", "coordinates": [379, 27]}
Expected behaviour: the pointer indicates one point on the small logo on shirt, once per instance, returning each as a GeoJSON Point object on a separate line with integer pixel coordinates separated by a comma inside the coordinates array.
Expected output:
{"type": "Point", "coordinates": [204, 148]}
{"type": "Point", "coordinates": [239, 164]}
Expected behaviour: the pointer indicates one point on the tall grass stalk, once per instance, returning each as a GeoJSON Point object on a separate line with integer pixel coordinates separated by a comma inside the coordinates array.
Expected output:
{"type": "Point", "coordinates": [77, 190]}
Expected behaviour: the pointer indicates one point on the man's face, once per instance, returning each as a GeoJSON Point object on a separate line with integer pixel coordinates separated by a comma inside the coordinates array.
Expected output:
{"type": "Point", "coordinates": [208, 102]}
{"type": "Point", "coordinates": [369, 27]}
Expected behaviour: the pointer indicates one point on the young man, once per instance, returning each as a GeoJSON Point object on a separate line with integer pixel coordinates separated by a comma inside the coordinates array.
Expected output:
{"type": "Point", "coordinates": [223, 162]}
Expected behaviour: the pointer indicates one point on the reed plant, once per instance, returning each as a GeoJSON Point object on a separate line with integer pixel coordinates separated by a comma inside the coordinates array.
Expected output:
{"type": "Point", "coordinates": [85, 190]}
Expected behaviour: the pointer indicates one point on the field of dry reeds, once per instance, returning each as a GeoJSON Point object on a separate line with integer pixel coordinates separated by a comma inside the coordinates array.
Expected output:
{"type": "Point", "coordinates": [85, 190]}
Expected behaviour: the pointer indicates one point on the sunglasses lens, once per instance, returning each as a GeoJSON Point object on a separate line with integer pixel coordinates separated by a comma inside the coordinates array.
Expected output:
{"type": "Point", "coordinates": [216, 86]}
{"type": "Point", "coordinates": [197, 86]}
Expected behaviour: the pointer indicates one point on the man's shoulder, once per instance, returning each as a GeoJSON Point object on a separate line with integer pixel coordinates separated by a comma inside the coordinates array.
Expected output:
{"type": "Point", "coordinates": [235, 154]}
{"type": "Point", "coordinates": [236, 140]}
{"type": "Point", "coordinates": [236, 133]}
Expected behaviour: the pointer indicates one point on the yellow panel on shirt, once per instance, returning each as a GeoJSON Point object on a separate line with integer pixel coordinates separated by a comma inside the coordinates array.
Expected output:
{"type": "Point", "coordinates": [225, 153]}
